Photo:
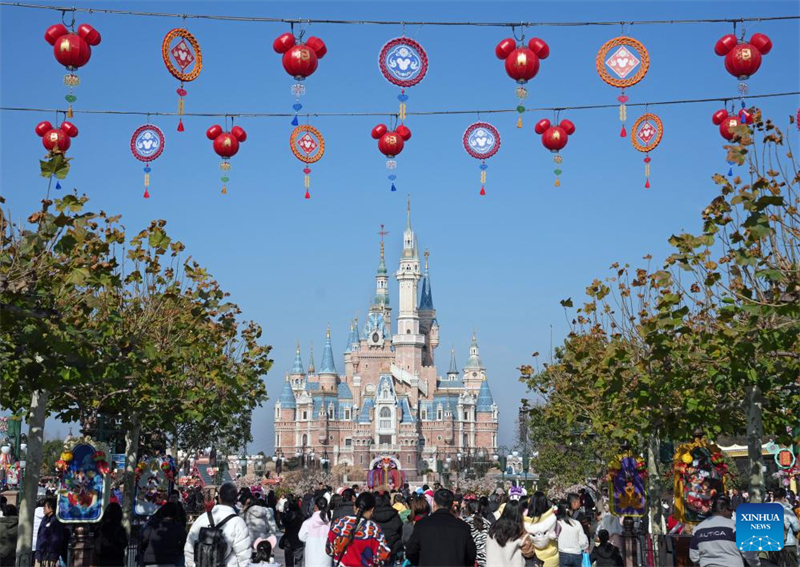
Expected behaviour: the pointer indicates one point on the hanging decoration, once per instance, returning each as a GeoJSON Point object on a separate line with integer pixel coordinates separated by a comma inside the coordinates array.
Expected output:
{"type": "Point", "coordinates": [481, 141]}
{"type": "Point", "coordinates": [522, 64]}
{"type": "Point", "coordinates": [700, 474]}
{"type": "Point", "coordinates": [403, 62]}
{"type": "Point", "coordinates": [72, 50]}
{"type": "Point", "coordinates": [155, 477]}
{"type": "Point", "coordinates": [622, 62]}
{"type": "Point", "coordinates": [184, 60]}
{"type": "Point", "coordinates": [646, 134]}
{"type": "Point", "coordinates": [390, 144]}
{"type": "Point", "coordinates": [726, 122]}
{"type": "Point", "coordinates": [555, 138]}
{"type": "Point", "coordinates": [56, 141]}
{"type": "Point", "coordinates": [300, 60]}
{"type": "Point", "coordinates": [83, 472]}
{"type": "Point", "coordinates": [308, 146]}
{"type": "Point", "coordinates": [226, 144]}
{"type": "Point", "coordinates": [147, 144]}
{"type": "Point", "coordinates": [627, 486]}
{"type": "Point", "coordinates": [742, 59]}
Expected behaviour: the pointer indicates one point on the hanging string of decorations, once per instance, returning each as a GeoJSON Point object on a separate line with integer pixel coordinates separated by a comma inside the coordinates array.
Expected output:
{"type": "Point", "coordinates": [181, 53]}
{"type": "Point", "coordinates": [481, 141]}
{"type": "Point", "coordinates": [56, 141]}
{"type": "Point", "coordinates": [522, 64]}
{"type": "Point", "coordinates": [147, 144]}
{"type": "Point", "coordinates": [390, 144]}
{"type": "Point", "coordinates": [226, 145]}
{"type": "Point", "coordinates": [73, 50]}
{"type": "Point", "coordinates": [300, 60]}
{"type": "Point", "coordinates": [307, 145]}
{"type": "Point", "coordinates": [646, 134]}
{"type": "Point", "coordinates": [743, 59]}
{"type": "Point", "coordinates": [622, 62]}
{"type": "Point", "coordinates": [403, 62]}
{"type": "Point", "coordinates": [555, 138]}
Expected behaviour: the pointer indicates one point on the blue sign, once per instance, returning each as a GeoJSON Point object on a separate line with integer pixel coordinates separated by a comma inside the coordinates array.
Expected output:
{"type": "Point", "coordinates": [118, 460]}
{"type": "Point", "coordinates": [759, 527]}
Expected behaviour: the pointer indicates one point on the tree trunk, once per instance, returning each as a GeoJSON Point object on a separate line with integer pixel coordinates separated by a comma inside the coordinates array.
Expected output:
{"type": "Point", "coordinates": [129, 481]}
{"type": "Point", "coordinates": [33, 470]}
{"type": "Point", "coordinates": [755, 434]}
{"type": "Point", "coordinates": [655, 511]}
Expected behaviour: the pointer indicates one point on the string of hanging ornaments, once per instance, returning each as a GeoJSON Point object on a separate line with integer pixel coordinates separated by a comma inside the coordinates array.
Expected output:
{"type": "Point", "coordinates": [300, 60]}
{"type": "Point", "coordinates": [481, 140]}
{"type": "Point", "coordinates": [555, 138]}
{"type": "Point", "coordinates": [147, 145]}
{"type": "Point", "coordinates": [307, 145]}
{"type": "Point", "coordinates": [521, 63]}
{"type": "Point", "coordinates": [226, 145]}
{"type": "Point", "coordinates": [181, 53]}
{"type": "Point", "coordinates": [622, 62]}
{"type": "Point", "coordinates": [73, 50]}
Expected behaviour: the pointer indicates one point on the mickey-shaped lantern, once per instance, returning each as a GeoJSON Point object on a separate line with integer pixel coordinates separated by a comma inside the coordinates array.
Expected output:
{"type": "Point", "coordinates": [743, 59]}
{"type": "Point", "coordinates": [300, 60]}
{"type": "Point", "coordinates": [555, 138]}
{"type": "Point", "coordinates": [727, 121]}
{"type": "Point", "coordinates": [390, 144]}
{"type": "Point", "coordinates": [56, 140]}
{"type": "Point", "coordinates": [522, 64]}
{"type": "Point", "coordinates": [72, 50]}
{"type": "Point", "coordinates": [226, 144]}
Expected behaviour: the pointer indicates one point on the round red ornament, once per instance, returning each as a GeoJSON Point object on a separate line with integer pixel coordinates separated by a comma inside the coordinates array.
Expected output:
{"type": "Point", "coordinates": [743, 59]}
{"type": "Point", "coordinates": [56, 140]}
{"type": "Point", "coordinates": [226, 145]}
{"type": "Point", "coordinates": [521, 64]}
{"type": "Point", "coordinates": [73, 50]}
{"type": "Point", "coordinates": [555, 138]}
{"type": "Point", "coordinates": [300, 60]}
{"type": "Point", "coordinates": [390, 144]}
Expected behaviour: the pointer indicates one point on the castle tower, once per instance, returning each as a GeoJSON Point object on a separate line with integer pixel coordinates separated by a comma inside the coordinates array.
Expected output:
{"type": "Point", "coordinates": [408, 341]}
{"type": "Point", "coordinates": [311, 370]}
{"type": "Point", "coordinates": [380, 304]}
{"type": "Point", "coordinates": [327, 371]}
{"type": "Point", "coordinates": [474, 371]}
{"type": "Point", "coordinates": [428, 324]}
{"type": "Point", "coordinates": [452, 373]}
{"type": "Point", "coordinates": [297, 375]}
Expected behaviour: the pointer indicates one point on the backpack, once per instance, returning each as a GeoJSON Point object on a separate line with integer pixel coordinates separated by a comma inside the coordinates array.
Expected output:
{"type": "Point", "coordinates": [211, 549]}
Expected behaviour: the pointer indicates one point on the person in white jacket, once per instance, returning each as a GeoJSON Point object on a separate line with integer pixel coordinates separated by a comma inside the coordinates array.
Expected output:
{"type": "Point", "coordinates": [572, 540]}
{"type": "Point", "coordinates": [314, 533]}
{"type": "Point", "coordinates": [235, 531]}
{"type": "Point", "coordinates": [260, 520]}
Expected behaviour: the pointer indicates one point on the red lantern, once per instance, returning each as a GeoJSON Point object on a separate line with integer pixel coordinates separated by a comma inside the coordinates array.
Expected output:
{"type": "Point", "coordinates": [56, 140]}
{"type": "Point", "coordinates": [726, 122]}
{"type": "Point", "coordinates": [300, 60]}
{"type": "Point", "coordinates": [743, 59]}
{"type": "Point", "coordinates": [555, 138]}
{"type": "Point", "coordinates": [522, 64]}
{"type": "Point", "coordinates": [226, 145]}
{"type": "Point", "coordinates": [390, 144]}
{"type": "Point", "coordinates": [72, 50]}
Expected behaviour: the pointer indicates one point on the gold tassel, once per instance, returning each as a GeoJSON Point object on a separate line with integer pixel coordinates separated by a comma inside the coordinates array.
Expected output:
{"type": "Point", "coordinates": [180, 106]}
{"type": "Point", "coordinates": [307, 181]}
{"type": "Point", "coordinates": [147, 180]}
{"type": "Point", "coordinates": [69, 111]}
{"type": "Point", "coordinates": [483, 176]}
{"type": "Point", "coordinates": [402, 111]}
{"type": "Point", "coordinates": [224, 190]}
{"type": "Point", "coordinates": [558, 182]}
{"type": "Point", "coordinates": [647, 170]}
{"type": "Point", "coordinates": [623, 112]}
{"type": "Point", "coordinates": [519, 121]}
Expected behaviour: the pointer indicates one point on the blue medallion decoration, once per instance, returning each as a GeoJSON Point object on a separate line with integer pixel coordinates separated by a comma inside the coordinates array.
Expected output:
{"type": "Point", "coordinates": [403, 62]}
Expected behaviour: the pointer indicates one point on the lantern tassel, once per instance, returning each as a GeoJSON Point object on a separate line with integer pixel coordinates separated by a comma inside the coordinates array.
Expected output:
{"type": "Point", "coordinates": [558, 182]}
{"type": "Point", "coordinates": [180, 125]}
{"type": "Point", "coordinates": [519, 121]}
{"type": "Point", "coordinates": [146, 193]}
{"type": "Point", "coordinates": [181, 106]}
{"type": "Point", "coordinates": [647, 184]}
{"type": "Point", "coordinates": [402, 111]}
{"type": "Point", "coordinates": [295, 122]}
{"type": "Point", "coordinates": [623, 133]}
{"type": "Point", "coordinates": [69, 111]}
{"type": "Point", "coordinates": [730, 172]}
{"type": "Point", "coordinates": [58, 186]}
{"type": "Point", "coordinates": [308, 195]}
{"type": "Point", "coordinates": [224, 190]}
{"type": "Point", "coordinates": [393, 187]}
{"type": "Point", "coordinates": [483, 190]}
{"type": "Point", "coordinates": [307, 181]}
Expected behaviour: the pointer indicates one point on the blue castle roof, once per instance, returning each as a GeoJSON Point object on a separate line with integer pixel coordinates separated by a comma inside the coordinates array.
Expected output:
{"type": "Point", "coordinates": [297, 367]}
{"type": "Point", "coordinates": [328, 366]}
{"type": "Point", "coordinates": [343, 390]}
{"type": "Point", "coordinates": [485, 399]}
{"type": "Point", "coordinates": [367, 405]}
{"type": "Point", "coordinates": [287, 397]}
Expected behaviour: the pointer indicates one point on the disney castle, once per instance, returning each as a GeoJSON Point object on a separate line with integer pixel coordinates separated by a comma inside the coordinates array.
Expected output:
{"type": "Point", "coordinates": [390, 400]}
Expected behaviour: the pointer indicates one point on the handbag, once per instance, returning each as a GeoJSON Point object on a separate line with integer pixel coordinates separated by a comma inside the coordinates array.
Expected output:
{"type": "Point", "coordinates": [282, 542]}
{"type": "Point", "coordinates": [527, 548]}
{"type": "Point", "coordinates": [586, 561]}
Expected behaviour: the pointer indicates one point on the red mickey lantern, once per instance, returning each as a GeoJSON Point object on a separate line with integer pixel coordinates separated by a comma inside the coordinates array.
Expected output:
{"type": "Point", "coordinates": [300, 60]}
{"type": "Point", "coordinates": [226, 145]}
{"type": "Point", "coordinates": [522, 64]}
{"type": "Point", "coordinates": [727, 121]}
{"type": "Point", "coordinates": [743, 59]}
{"type": "Point", "coordinates": [73, 50]}
{"type": "Point", "coordinates": [555, 138]}
{"type": "Point", "coordinates": [56, 140]}
{"type": "Point", "coordinates": [390, 144]}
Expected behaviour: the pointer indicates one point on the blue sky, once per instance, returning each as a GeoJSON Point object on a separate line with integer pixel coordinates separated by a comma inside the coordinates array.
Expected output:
{"type": "Point", "coordinates": [499, 263]}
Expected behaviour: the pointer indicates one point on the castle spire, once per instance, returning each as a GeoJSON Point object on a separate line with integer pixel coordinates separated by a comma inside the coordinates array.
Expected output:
{"type": "Point", "coordinates": [380, 303]}
{"type": "Point", "coordinates": [426, 293]}
{"type": "Point", "coordinates": [297, 367]}
{"type": "Point", "coordinates": [311, 369]}
{"type": "Point", "coordinates": [453, 365]}
{"type": "Point", "coordinates": [328, 366]}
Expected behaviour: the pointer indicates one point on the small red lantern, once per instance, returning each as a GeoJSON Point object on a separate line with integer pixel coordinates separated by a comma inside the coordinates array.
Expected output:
{"type": "Point", "coordinates": [300, 60]}
{"type": "Point", "coordinates": [555, 138]}
{"type": "Point", "coordinates": [727, 121]}
{"type": "Point", "coordinates": [743, 59]}
{"type": "Point", "coordinates": [226, 145]}
{"type": "Point", "coordinates": [56, 140]}
{"type": "Point", "coordinates": [522, 64]}
{"type": "Point", "coordinates": [72, 50]}
{"type": "Point", "coordinates": [390, 144]}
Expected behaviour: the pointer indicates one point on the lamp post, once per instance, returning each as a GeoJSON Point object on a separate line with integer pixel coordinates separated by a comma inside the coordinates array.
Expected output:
{"type": "Point", "coordinates": [243, 465]}
{"type": "Point", "coordinates": [325, 461]}
{"type": "Point", "coordinates": [526, 467]}
{"type": "Point", "coordinates": [447, 462]}
{"type": "Point", "coordinates": [502, 458]}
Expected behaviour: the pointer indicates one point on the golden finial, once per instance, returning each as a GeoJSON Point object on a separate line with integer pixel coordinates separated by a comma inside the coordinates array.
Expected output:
{"type": "Point", "coordinates": [426, 254]}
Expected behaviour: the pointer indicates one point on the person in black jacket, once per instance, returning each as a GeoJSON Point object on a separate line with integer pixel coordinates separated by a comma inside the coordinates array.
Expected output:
{"type": "Point", "coordinates": [293, 548]}
{"type": "Point", "coordinates": [9, 527]}
{"type": "Point", "coordinates": [163, 540]}
{"type": "Point", "coordinates": [389, 521]}
{"type": "Point", "coordinates": [111, 540]}
{"type": "Point", "coordinates": [606, 554]}
{"type": "Point", "coordinates": [52, 537]}
{"type": "Point", "coordinates": [346, 507]}
{"type": "Point", "coordinates": [441, 539]}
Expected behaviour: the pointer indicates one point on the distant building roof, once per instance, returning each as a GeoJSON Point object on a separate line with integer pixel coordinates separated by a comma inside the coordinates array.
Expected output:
{"type": "Point", "coordinates": [343, 391]}
{"type": "Point", "coordinates": [485, 399]}
{"type": "Point", "coordinates": [328, 366]}
{"type": "Point", "coordinates": [287, 396]}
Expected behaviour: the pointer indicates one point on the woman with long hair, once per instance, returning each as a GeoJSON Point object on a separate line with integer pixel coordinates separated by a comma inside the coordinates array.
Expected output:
{"type": "Point", "coordinates": [290, 542]}
{"type": "Point", "coordinates": [357, 541]}
{"type": "Point", "coordinates": [314, 533]}
{"type": "Point", "coordinates": [111, 539]}
{"type": "Point", "coordinates": [419, 509]}
{"type": "Point", "coordinates": [506, 536]}
{"type": "Point", "coordinates": [572, 540]}
{"type": "Point", "coordinates": [479, 528]}
{"type": "Point", "coordinates": [540, 523]}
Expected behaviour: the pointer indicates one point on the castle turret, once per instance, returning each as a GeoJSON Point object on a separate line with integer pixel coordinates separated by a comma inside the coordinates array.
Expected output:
{"type": "Point", "coordinates": [452, 373]}
{"type": "Point", "coordinates": [327, 371]}
{"type": "Point", "coordinates": [311, 370]}
{"type": "Point", "coordinates": [408, 341]}
{"type": "Point", "coordinates": [428, 325]}
{"type": "Point", "coordinates": [474, 371]}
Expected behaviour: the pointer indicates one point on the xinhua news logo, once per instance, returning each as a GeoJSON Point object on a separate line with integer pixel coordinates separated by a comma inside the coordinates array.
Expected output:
{"type": "Point", "coordinates": [759, 527]}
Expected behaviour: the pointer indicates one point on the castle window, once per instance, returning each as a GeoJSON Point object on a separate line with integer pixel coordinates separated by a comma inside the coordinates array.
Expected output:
{"type": "Point", "coordinates": [466, 440]}
{"type": "Point", "coordinates": [361, 459]}
{"type": "Point", "coordinates": [330, 413]}
{"type": "Point", "coordinates": [439, 413]}
{"type": "Point", "coordinates": [408, 459]}
{"type": "Point", "coordinates": [466, 416]}
{"type": "Point", "coordinates": [348, 442]}
{"type": "Point", "coordinates": [277, 439]}
{"type": "Point", "coordinates": [408, 331]}
{"type": "Point", "coordinates": [424, 414]}
{"type": "Point", "coordinates": [305, 415]}
{"type": "Point", "coordinates": [347, 414]}
{"type": "Point", "coordinates": [386, 418]}
{"type": "Point", "coordinates": [305, 440]}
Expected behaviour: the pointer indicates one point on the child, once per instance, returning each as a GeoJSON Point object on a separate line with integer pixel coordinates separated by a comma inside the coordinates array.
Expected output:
{"type": "Point", "coordinates": [262, 554]}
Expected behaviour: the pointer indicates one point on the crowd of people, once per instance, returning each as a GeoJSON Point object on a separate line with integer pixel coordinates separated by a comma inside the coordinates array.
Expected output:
{"type": "Point", "coordinates": [351, 527]}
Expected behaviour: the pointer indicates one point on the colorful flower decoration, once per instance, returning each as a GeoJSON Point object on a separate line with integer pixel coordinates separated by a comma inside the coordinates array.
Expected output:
{"type": "Point", "coordinates": [308, 146]}
{"type": "Point", "coordinates": [627, 490]}
{"type": "Point", "coordinates": [646, 134]}
{"type": "Point", "coordinates": [226, 145]}
{"type": "Point", "coordinates": [72, 50]}
{"type": "Point", "coordinates": [181, 53]}
{"type": "Point", "coordinates": [522, 64]}
{"type": "Point", "coordinates": [390, 144]}
{"type": "Point", "coordinates": [700, 474]}
{"type": "Point", "coordinates": [622, 62]}
{"type": "Point", "coordinates": [555, 138]}
{"type": "Point", "coordinates": [403, 62]}
{"type": "Point", "coordinates": [147, 144]}
{"type": "Point", "coordinates": [300, 60]}
{"type": "Point", "coordinates": [481, 140]}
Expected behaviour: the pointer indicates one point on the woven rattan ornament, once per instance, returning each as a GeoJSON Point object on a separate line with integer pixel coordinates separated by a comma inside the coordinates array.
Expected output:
{"type": "Point", "coordinates": [646, 134]}
{"type": "Point", "coordinates": [308, 146]}
{"type": "Point", "coordinates": [622, 62]}
{"type": "Point", "coordinates": [184, 60]}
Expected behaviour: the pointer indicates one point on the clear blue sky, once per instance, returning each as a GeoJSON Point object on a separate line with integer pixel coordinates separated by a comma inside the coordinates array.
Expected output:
{"type": "Point", "coordinates": [499, 263]}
